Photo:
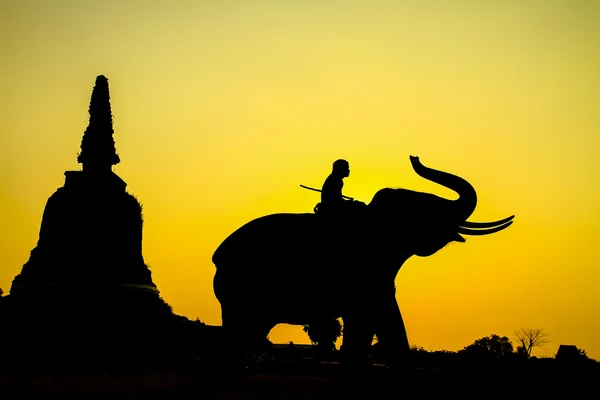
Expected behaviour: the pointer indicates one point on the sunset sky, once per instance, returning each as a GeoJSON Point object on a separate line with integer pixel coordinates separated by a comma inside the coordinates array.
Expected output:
{"type": "Point", "coordinates": [223, 108]}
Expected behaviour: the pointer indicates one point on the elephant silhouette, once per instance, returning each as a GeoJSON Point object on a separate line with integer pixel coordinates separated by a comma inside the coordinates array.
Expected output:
{"type": "Point", "coordinates": [304, 268]}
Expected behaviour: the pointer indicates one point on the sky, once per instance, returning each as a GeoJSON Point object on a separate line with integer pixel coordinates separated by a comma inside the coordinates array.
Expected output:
{"type": "Point", "coordinates": [223, 108]}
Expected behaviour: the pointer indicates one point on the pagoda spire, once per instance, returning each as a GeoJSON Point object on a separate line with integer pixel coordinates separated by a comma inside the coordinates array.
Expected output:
{"type": "Point", "coordinates": [98, 152]}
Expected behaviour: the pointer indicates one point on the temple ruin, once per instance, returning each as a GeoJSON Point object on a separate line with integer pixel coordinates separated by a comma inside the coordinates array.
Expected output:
{"type": "Point", "coordinates": [86, 286]}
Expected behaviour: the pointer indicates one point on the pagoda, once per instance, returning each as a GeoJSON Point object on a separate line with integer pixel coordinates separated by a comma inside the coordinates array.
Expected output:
{"type": "Point", "coordinates": [91, 231]}
{"type": "Point", "coordinates": [86, 287]}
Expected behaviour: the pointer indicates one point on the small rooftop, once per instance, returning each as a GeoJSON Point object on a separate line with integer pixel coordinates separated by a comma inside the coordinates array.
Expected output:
{"type": "Point", "coordinates": [567, 351]}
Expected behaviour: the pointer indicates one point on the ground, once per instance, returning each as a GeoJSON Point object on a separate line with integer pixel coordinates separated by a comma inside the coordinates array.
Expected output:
{"type": "Point", "coordinates": [313, 381]}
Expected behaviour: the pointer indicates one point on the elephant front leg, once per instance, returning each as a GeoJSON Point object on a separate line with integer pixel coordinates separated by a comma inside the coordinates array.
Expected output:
{"type": "Point", "coordinates": [391, 333]}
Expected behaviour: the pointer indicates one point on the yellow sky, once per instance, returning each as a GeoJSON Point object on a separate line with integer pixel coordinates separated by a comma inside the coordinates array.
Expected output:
{"type": "Point", "coordinates": [222, 108]}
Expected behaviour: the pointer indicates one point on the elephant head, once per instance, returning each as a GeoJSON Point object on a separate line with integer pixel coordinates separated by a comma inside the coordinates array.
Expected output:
{"type": "Point", "coordinates": [427, 222]}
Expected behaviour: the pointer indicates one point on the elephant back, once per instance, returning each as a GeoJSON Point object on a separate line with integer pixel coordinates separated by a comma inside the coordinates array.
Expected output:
{"type": "Point", "coordinates": [286, 241]}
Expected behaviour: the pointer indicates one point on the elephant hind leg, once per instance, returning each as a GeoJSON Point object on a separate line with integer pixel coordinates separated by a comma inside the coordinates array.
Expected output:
{"type": "Point", "coordinates": [246, 332]}
{"type": "Point", "coordinates": [356, 342]}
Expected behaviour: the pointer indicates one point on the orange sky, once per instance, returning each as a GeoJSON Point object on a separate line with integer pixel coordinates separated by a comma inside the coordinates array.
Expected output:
{"type": "Point", "coordinates": [222, 108]}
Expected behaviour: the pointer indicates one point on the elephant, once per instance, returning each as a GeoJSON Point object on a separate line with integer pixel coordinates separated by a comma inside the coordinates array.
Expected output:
{"type": "Point", "coordinates": [305, 268]}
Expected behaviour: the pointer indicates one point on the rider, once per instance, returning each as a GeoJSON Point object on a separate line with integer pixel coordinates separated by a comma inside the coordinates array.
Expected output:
{"type": "Point", "coordinates": [332, 199]}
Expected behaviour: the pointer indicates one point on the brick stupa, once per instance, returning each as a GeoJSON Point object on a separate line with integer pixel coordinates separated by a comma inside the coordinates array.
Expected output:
{"type": "Point", "coordinates": [91, 231]}
{"type": "Point", "coordinates": [86, 288]}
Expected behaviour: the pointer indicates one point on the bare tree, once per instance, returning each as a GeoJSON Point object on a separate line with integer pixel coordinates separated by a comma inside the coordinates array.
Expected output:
{"type": "Point", "coordinates": [530, 338]}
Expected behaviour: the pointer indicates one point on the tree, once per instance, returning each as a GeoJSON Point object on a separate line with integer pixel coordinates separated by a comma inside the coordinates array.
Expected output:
{"type": "Point", "coordinates": [488, 348]}
{"type": "Point", "coordinates": [521, 352]}
{"type": "Point", "coordinates": [530, 338]}
{"type": "Point", "coordinates": [324, 334]}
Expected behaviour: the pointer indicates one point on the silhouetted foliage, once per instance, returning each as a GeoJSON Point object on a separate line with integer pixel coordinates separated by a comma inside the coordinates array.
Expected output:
{"type": "Point", "coordinates": [521, 352]}
{"type": "Point", "coordinates": [488, 349]}
{"type": "Point", "coordinates": [324, 334]}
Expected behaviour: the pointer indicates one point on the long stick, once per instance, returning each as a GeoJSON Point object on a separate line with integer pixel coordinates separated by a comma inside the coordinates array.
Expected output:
{"type": "Point", "coordinates": [317, 190]}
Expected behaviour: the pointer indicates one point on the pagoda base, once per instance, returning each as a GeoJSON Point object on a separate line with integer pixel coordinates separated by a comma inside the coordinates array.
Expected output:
{"type": "Point", "coordinates": [85, 325]}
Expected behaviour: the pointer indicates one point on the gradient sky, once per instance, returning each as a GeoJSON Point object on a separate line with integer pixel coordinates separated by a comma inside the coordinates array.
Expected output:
{"type": "Point", "coordinates": [222, 108]}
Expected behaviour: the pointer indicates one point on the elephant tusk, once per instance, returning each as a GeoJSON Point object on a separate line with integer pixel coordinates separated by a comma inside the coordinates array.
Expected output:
{"type": "Point", "coordinates": [476, 225]}
{"type": "Point", "coordinates": [467, 231]}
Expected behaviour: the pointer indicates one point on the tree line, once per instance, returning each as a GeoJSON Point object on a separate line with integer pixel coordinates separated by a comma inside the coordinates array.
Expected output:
{"type": "Point", "coordinates": [490, 348]}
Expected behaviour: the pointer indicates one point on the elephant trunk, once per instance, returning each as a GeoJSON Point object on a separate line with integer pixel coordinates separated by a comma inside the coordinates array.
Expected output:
{"type": "Point", "coordinates": [467, 200]}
